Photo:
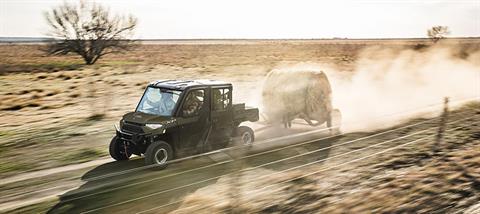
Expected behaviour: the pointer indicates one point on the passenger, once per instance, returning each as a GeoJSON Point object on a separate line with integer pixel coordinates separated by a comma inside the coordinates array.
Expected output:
{"type": "Point", "coordinates": [218, 101]}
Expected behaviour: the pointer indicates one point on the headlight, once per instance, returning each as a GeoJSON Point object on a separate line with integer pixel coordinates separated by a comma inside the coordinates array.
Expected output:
{"type": "Point", "coordinates": [119, 124]}
{"type": "Point", "coordinates": [154, 126]}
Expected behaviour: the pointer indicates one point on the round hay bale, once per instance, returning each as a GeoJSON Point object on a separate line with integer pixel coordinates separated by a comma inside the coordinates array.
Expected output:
{"type": "Point", "coordinates": [290, 94]}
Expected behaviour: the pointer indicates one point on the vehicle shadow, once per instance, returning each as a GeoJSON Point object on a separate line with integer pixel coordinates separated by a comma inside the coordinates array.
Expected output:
{"type": "Point", "coordinates": [128, 181]}
{"type": "Point", "coordinates": [108, 183]}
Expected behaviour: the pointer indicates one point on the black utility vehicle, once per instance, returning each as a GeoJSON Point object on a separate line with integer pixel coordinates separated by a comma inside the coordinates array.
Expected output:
{"type": "Point", "coordinates": [180, 118]}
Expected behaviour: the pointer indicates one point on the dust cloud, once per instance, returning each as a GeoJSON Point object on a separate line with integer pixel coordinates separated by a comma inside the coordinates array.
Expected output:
{"type": "Point", "coordinates": [389, 86]}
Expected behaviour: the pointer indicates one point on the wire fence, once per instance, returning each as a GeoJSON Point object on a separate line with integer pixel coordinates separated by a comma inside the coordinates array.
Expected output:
{"type": "Point", "coordinates": [283, 171]}
{"type": "Point", "coordinates": [242, 158]}
{"type": "Point", "coordinates": [261, 188]}
{"type": "Point", "coordinates": [253, 155]}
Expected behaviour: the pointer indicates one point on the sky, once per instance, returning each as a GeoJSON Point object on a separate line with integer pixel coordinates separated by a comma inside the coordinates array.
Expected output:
{"type": "Point", "coordinates": [264, 19]}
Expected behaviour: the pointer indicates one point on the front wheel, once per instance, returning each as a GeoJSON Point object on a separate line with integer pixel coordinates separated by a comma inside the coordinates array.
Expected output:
{"type": "Point", "coordinates": [158, 153]}
{"type": "Point", "coordinates": [118, 150]}
{"type": "Point", "coordinates": [246, 135]}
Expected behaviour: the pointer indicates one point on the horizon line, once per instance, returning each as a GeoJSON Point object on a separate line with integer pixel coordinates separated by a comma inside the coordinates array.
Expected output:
{"type": "Point", "coordinates": [36, 39]}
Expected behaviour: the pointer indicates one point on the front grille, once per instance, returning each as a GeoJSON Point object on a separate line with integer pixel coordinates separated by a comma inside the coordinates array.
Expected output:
{"type": "Point", "coordinates": [132, 128]}
{"type": "Point", "coordinates": [133, 123]}
{"type": "Point", "coordinates": [125, 136]}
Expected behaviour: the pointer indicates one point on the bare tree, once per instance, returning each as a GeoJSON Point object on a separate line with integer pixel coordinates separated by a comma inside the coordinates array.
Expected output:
{"type": "Point", "coordinates": [437, 32]}
{"type": "Point", "coordinates": [89, 30]}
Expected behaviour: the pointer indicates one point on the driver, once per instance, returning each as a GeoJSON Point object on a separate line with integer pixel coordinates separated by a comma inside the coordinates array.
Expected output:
{"type": "Point", "coordinates": [193, 104]}
{"type": "Point", "coordinates": [166, 104]}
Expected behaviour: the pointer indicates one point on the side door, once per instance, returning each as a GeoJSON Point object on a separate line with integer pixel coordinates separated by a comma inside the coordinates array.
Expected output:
{"type": "Point", "coordinates": [221, 116]}
{"type": "Point", "coordinates": [194, 122]}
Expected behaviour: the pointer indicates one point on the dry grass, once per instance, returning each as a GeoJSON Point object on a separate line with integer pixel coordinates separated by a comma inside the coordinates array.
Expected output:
{"type": "Point", "coordinates": [47, 102]}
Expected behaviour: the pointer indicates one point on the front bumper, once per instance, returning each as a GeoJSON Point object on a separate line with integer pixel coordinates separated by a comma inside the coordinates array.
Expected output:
{"type": "Point", "coordinates": [131, 137]}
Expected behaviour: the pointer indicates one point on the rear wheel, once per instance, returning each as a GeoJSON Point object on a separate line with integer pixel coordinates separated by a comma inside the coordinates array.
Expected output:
{"type": "Point", "coordinates": [118, 150]}
{"type": "Point", "coordinates": [158, 153]}
{"type": "Point", "coordinates": [246, 135]}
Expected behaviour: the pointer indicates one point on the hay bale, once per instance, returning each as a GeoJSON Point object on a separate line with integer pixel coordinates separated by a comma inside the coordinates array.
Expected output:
{"type": "Point", "coordinates": [290, 94]}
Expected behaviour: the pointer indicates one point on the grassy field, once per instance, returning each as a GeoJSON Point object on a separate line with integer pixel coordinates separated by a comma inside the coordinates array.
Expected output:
{"type": "Point", "coordinates": [59, 111]}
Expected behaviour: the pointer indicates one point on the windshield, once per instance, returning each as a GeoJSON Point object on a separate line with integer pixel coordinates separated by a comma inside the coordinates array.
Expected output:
{"type": "Point", "coordinates": [158, 101]}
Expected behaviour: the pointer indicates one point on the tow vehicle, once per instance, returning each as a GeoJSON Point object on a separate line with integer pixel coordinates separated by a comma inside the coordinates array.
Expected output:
{"type": "Point", "coordinates": [177, 118]}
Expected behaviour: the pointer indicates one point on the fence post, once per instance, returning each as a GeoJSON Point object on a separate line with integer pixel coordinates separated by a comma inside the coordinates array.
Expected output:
{"type": "Point", "coordinates": [235, 191]}
{"type": "Point", "coordinates": [441, 128]}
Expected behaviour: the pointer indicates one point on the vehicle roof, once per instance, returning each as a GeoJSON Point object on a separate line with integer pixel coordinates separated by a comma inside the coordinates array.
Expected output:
{"type": "Point", "coordinates": [184, 84]}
